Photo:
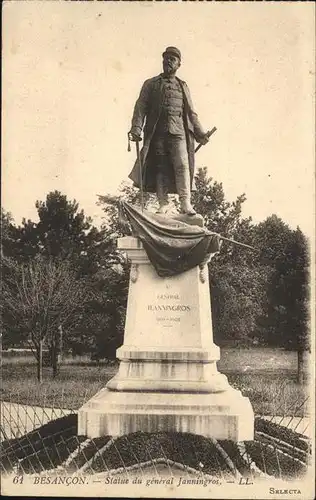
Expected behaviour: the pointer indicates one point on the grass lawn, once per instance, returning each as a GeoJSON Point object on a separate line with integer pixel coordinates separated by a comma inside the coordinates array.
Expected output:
{"type": "Point", "coordinates": [70, 389]}
{"type": "Point", "coordinates": [266, 376]}
{"type": "Point", "coordinates": [257, 358]}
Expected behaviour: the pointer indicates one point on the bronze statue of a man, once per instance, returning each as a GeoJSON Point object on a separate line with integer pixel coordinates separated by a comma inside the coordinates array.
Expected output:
{"type": "Point", "coordinates": [171, 126]}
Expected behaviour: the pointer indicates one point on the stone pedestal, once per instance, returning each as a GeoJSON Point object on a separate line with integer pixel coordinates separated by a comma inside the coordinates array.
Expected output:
{"type": "Point", "coordinates": [168, 378]}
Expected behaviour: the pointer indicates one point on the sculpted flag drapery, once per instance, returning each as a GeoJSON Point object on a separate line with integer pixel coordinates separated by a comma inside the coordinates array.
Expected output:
{"type": "Point", "coordinates": [172, 246]}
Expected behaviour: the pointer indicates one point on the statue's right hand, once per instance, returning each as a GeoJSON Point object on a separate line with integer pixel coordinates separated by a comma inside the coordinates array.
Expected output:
{"type": "Point", "coordinates": [134, 137]}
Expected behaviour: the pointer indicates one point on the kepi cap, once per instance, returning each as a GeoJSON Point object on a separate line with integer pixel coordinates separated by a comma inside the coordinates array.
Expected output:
{"type": "Point", "coordinates": [174, 51]}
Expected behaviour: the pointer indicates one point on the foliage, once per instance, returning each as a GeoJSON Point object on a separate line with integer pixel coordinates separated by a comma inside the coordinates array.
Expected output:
{"type": "Point", "coordinates": [101, 328]}
{"type": "Point", "coordinates": [273, 462]}
{"type": "Point", "coordinates": [49, 457]}
{"type": "Point", "coordinates": [112, 223]}
{"type": "Point", "coordinates": [39, 296]}
{"type": "Point", "coordinates": [238, 298]}
{"type": "Point", "coordinates": [295, 276]}
{"type": "Point", "coordinates": [286, 320]}
{"type": "Point", "coordinates": [259, 296]}
{"type": "Point", "coordinates": [8, 233]}
{"type": "Point", "coordinates": [30, 451]}
{"type": "Point", "coordinates": [188, 449]}
{"type": "Point", "coordinates": [283, 433]}
{"type": "Point", "coordinates": [62, 232]}
{"type": "Point", "coordinates": [56, 444]}
{"type": "Point", "coordinates": [237, 278]}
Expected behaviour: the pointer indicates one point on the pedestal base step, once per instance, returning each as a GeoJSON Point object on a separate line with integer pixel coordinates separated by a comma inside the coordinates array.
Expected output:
{"type": "Point", "coordinates": [224, 415]}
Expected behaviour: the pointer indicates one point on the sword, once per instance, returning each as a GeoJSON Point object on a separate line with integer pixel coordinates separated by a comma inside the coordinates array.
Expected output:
{"type": "Point", "coordinates": [208, 134]}
{"type": "Point", "coordinates": [140, 176]}
{"type": "Point", "coordinates": [139, 160]}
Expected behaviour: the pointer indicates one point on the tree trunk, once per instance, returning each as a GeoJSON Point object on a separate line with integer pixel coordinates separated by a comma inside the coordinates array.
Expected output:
{"type": "Point", "coordinates": [57, 350]}
{"type": "Point", "coordinates": [40, 362]}
{"type": "Point", "coordinates": [53, 351]}
{"type": "Point", "coordinates": [60, 348]}
{"type": "Point", "coordinates": [301, 368]}
{"type": "Point", "coordinates": [55, 364]}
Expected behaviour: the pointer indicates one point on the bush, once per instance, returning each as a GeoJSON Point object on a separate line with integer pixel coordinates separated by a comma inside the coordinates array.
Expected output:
{"type": "Point", "coordinates": [50, 434]}
{"type": "Point", "coordinates": [272, 462]}
{"type": "Point", "coordinates": [188, 449]}
{"type": "Point", "coordinates": [49, 458]}
{"type": "Point", "coordinates": [283, 433]}
{"type": "Point", "coordinates": [48, 447]}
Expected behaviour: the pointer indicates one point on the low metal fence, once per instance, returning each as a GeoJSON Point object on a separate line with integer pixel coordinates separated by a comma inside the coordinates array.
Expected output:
{"type": "Point", "coordinates": [36, 439]}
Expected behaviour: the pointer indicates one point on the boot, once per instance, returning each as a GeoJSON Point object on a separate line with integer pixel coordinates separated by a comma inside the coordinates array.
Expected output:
{"type": "Point", "coordinates": [182, 176]}
{"type": "Point", "coordinates": [185, 205]}
{"type": "Point", "coordinates": [162, 194]}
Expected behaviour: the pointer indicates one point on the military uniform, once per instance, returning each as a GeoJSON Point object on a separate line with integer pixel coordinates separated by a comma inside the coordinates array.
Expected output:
{"type": "Point", "coordinates": [171, 126]}
{"type": "Point", "coordinates": [169, 147]}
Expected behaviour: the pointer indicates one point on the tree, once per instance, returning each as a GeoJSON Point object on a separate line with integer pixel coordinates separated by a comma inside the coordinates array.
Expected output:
{"type": "Point", "coordinates": [39, 296]}
{"type": "Point", "coordinates": [63, 231]}
{"type": "Point", "coordinates": [208, 199]}
{"type": "Point", "coordinates": [286, 251]}
{"type": "Point", "coordinates": [273, 237]}
{"type": "Point", "coordinates": [238, 297]}
{"type": "Point", "coordinates": [62, 227]}
{"type": "Point", "coordinates": [109, 311]}
{"type": "Point", "coordinates": [99, 330]}
{"type": "Point", "coordinates": [237, 277]}
{"type": "Point", "coordinates": [8, 234]}
{"type": "Point", "coordinates": [298, 298]}
{"type": "Point", "coordinates": [293, 274]}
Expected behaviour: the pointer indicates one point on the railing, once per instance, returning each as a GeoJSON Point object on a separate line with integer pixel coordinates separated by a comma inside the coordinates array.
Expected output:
{"type": "Point", "coordinates": [41, 438]}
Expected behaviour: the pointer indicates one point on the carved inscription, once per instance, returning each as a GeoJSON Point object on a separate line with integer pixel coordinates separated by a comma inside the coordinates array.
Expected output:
{"type": "Point", "coordinates": [168, 303]}
{"type": "Point", "coordinates": [167, 307]}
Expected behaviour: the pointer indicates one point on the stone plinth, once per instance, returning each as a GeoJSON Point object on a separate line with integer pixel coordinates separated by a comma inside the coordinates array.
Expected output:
{"type": "Point", "coordinates": [168, 378]}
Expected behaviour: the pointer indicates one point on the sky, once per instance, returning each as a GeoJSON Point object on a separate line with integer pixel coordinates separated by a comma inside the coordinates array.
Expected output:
{"type": "Point", "coordinates": [72, 72]}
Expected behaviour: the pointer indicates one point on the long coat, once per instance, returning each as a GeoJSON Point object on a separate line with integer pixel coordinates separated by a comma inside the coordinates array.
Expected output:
{"type": "Point", "coordinates": [149, 106]}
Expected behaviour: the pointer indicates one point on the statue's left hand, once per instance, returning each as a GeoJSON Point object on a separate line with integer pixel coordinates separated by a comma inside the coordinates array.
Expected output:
{"type": "Point", "coordinates": [204, 139]}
